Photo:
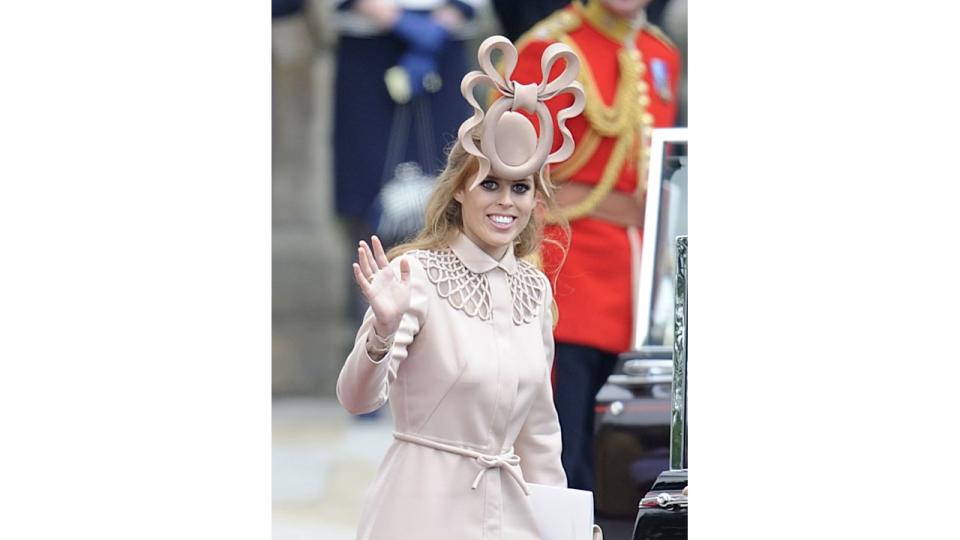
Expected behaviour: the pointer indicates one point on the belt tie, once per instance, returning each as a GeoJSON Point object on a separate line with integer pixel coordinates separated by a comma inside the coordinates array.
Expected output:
{"type": "Point", "coordinates": [507, 461]}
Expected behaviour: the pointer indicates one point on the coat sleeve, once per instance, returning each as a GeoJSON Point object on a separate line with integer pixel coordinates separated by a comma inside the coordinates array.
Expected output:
{"type": "Point", "coordinates": [364, 383]}
{"type": "Point", "coordinates": [538, 443]}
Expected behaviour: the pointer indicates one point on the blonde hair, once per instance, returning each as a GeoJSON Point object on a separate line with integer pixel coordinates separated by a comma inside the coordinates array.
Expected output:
{"type": "Point", "coordinates": [443, 220]}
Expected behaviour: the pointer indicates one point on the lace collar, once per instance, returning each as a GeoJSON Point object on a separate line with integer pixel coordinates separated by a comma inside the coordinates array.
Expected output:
{"type": "Point", "coordinates": [459, 274]}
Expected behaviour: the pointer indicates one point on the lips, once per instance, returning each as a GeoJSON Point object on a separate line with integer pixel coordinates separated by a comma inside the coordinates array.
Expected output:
{"type": "Point", "coordinates": [501, 221]}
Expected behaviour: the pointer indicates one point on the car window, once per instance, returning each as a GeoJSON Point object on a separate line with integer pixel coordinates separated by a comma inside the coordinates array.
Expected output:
{"type": "Point", "coordinates": [671, 223]}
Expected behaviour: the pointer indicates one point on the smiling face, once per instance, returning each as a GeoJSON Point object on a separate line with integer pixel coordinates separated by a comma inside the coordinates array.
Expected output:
{"type": "Point", "coordinates": [495, 212]}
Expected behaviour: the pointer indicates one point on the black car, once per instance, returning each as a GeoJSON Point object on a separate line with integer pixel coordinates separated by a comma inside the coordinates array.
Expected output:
{"type": "Point", "coordinates": [632, 439]}
{"type": "Point", "coordinates": [634, 409]}
{"type": "Point", "coordinates": [662, 513]}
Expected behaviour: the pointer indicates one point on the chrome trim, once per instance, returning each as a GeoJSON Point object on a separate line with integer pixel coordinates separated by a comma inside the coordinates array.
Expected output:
{"type": "Point", "coordinates": [616, 408]}
{"type": "Point", "coordinates": [661, 391]}
{"type": "Point", "coordinates": [678, 420]}
{"type": "Point", "coordinates": [633, 380]}
{"type": "Point", "coordinates": [644, 372]}
{"type": "Point", "coordinates": [643, 366]}
{"type": "Point", "coordinates": [665, 500]}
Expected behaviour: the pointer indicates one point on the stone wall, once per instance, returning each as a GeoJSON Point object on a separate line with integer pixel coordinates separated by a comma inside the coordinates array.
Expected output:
{"type": "Point", "coordinates": [311, 334]}
{"type": "Point", "coordinates": [312, 331]}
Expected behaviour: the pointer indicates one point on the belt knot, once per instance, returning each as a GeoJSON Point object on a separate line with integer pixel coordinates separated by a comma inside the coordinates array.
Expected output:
{"type": "Point", "coordinates": [507, 461]}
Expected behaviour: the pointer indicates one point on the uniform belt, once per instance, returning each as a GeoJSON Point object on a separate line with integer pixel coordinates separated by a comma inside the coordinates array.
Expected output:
{"type": "Point", "coordinates": [507, 461]}
{"type": "Point", "coordinates": [617, 207]}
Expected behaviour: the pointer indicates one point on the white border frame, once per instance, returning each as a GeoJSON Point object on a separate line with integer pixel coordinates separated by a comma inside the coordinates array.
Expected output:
{"type": "Point", "coordinates": [648, 252]}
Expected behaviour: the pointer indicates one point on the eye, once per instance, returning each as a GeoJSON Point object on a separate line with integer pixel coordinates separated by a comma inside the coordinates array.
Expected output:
{"type": "Point", "coordinates": [521, 188]}
{"type": "Point", "coordinates": [489, 185]}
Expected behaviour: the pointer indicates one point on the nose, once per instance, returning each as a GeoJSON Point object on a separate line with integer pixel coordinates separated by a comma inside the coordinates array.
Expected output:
{"type": "Point", "coordinates": [505, 199]}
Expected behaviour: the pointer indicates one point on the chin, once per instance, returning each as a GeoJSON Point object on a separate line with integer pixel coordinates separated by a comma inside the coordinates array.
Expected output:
{"type": "Point", "coordinates": [499, 241]}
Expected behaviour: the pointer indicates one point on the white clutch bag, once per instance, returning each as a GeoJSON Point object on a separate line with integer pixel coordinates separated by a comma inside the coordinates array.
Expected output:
{"type": "Point", "coordinates": [563, 513]}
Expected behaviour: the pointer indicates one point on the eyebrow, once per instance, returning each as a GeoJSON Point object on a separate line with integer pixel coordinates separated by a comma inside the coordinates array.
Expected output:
{"type": "Point", "coordinates": [522, 180]}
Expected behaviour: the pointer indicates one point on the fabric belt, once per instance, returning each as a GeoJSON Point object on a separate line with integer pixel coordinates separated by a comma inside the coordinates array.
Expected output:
{"type": "Point", "coordinates": [507, 461]}
{"type": "Point", "coordinates": [624, 209]}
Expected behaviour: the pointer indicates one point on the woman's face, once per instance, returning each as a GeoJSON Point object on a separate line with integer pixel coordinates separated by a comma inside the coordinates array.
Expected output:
{"type": "Point", "coordinates": [495, 212]}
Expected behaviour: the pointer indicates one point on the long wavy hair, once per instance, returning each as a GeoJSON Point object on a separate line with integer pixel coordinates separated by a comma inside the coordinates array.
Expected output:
{"type": "Point", "coordinates": [443, 219]}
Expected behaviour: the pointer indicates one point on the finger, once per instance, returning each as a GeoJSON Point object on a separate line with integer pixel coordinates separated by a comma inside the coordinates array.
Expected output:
{"type": "Point", "coordinates": [379, 254]}
{"type": "Point", "coordinates": [364, 262]}
{"type": "Point", "coordinates": [404, 270]}
{"type": "Point", "coordinates": [370, 260]}
{"type": "Point", "coordinates": [361, 280]}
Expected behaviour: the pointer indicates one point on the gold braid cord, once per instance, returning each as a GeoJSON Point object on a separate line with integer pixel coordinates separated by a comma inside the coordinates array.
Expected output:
{"type": "Point", "coordinates": [609, 178]}
{"type": "Point", "coordinates": [618, 121]}
{"type": "Point", "coordinates": [584, 150]}
{"type": "Point", "coordinates": [628, 100]}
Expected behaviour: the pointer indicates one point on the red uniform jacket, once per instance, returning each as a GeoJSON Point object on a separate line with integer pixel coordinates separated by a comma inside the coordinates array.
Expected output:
{"type": "Point", "coordinates": [628, 93]}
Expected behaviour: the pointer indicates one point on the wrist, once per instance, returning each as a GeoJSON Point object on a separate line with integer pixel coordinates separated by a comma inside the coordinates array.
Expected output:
{"type": "Point", "coordinates": [383, 332]}
{"type": "Point", "coordinates": [378, 346]}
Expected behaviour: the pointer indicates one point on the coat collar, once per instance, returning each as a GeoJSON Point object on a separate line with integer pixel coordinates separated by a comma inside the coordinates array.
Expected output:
{"type": "Point", "coordinates": [476, 260]}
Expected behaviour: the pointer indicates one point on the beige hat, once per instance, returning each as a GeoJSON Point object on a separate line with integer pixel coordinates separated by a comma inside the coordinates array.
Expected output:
{"type": "Point", "coordinates": [509, 147]}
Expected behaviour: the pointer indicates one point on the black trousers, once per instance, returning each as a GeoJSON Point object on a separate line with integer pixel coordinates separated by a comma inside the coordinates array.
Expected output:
{"type": "Point", "coordinates": [580, 372]}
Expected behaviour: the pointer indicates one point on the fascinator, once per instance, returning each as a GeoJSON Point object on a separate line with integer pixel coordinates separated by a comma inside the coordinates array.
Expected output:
{"type": "Point", "coordinates": [509, 146]}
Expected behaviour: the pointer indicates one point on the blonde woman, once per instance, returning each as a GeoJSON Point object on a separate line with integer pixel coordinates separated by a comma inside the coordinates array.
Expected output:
{"type": "Point", "coordinates": [459, 331]}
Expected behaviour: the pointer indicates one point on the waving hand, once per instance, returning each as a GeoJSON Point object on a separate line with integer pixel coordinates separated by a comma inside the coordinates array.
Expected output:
{"type": "Point", "coordinates": [387, 293]}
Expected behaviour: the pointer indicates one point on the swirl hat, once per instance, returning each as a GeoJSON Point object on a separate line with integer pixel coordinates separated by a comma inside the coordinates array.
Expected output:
{"type": "Point", "coordinates": [509, 147]}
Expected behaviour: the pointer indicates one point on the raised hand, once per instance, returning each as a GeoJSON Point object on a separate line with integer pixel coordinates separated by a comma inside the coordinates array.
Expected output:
{"type": "Point", "coordinates": [387, 293]}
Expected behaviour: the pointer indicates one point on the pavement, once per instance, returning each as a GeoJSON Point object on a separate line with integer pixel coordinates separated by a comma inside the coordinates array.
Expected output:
{"type": "Point", "coordinates": [324, 459]}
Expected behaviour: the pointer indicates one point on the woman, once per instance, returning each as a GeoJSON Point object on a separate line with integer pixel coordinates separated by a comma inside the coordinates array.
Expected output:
{"type": "Point", "coordinates": [459, 331]}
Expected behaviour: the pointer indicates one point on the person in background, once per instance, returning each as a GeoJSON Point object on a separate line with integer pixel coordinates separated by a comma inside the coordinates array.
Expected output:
{"type": "Point", "coordinates": [410, 115]}
{"type": "Point", "coordinates": [629, 71]}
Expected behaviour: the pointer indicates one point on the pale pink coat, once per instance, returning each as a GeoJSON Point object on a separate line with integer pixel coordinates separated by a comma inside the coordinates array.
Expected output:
{"type": "Point", "coordinates": [469, 369]}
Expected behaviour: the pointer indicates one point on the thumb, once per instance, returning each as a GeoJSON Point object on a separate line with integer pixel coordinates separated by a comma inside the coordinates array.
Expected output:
{"type": "Point", "coordinates": [404, 270]}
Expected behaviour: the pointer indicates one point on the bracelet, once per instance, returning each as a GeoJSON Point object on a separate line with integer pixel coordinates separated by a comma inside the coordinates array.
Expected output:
{"type": "Point", "coordinates": [378, 346]}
